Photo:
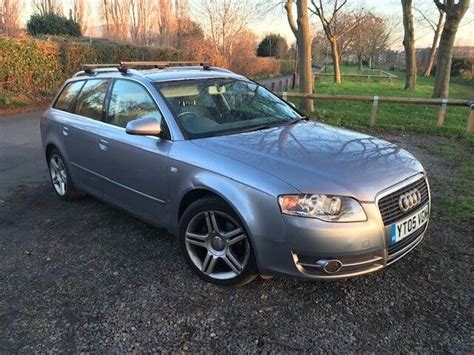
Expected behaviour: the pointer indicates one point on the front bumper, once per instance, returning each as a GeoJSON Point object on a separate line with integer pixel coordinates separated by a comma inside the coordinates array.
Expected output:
{"type": "Point", "coordinates": [359, 248]}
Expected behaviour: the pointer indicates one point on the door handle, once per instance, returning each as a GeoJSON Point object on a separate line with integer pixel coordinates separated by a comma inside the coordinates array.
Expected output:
{"type": "Point", "coordinates": [65, 130]}
{"type": "Point", "coordinates": [103, 144]}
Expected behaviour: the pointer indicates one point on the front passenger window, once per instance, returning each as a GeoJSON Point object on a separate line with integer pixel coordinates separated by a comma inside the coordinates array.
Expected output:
{"type": "Point", "coordinates": [129, 101]}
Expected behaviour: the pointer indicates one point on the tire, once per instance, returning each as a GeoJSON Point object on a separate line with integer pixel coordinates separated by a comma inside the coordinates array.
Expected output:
{"type": "Point", "coordinates": [215, 244]}
{"type": "Point", "coordinates": [60, 178]}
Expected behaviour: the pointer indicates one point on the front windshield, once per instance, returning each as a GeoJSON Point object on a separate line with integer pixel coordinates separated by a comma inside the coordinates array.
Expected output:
{"type": "Point", "coordinates": [210, 107]}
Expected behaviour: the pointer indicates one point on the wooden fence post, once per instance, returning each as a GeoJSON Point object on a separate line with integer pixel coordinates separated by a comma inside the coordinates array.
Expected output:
{"type": "Point", "coordinates": [442, 113]}
{"type": "Point", "coordinates": [470, 120]}
{"type": "Point", "coordinates": [375, 109]}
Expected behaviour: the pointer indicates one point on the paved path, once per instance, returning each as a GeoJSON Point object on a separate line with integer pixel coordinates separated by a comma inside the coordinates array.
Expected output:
{"type": "Point", "coordinates": [21, 156]}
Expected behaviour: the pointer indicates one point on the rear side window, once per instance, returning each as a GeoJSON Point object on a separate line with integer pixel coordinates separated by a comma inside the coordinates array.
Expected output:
{"type": "Point", "coordinates": [91, 99]}
{"type": "Point", "coordinates": [68, 95]}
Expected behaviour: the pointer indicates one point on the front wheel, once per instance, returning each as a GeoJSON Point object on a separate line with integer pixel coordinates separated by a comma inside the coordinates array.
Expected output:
{"type": "Point", "coordinates": [215, 244]}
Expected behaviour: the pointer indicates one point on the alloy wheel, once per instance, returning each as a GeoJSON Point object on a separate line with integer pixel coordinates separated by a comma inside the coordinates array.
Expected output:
{"type": "Point", "coordinates": [58, 174]}
{"type": "Point", "coordinates": [217, 245]}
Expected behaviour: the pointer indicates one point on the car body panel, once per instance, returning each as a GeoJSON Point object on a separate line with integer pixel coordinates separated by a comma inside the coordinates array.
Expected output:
{"type": "Point", "coordinates": [195, 168]}
{"type": "Point", "coordinates": [317, 158]}
{"type": "Point", "coordinates": [134, 171]}
{"type": "Point", "coordinates": [79, 136]}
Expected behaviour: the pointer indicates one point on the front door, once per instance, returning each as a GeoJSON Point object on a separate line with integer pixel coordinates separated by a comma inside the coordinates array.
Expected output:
{"type": "Point", "coordinates": [134, 168]}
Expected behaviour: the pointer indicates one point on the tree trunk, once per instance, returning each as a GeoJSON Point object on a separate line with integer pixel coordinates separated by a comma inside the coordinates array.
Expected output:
{"type": "Point", "coordinates": [434, 45]}
{"type": "Point", "coordinates": [409, 44]}
{"type": "Point", "coordinates": [336, 62]}
{"type": "Point", "coordinates": [359, 61]}
{"type": "Point", "coordinates": [454, 14]}
{"type": "Point", "coordinates": [304, 54]}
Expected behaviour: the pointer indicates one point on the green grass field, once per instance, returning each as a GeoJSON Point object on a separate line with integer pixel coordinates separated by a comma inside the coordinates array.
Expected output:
{"type": "Point", "coordinates": [400, 117]}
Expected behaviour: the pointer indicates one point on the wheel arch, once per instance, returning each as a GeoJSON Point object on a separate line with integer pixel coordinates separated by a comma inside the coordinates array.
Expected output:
{"type": "Point", "coordinates": [49, 148]}
{"type": "Point", "coordinates": [251, 205]}
{"type": "Point", "coordinates": [53, 144]}
{"type": "Point", "coordinates": [223, 191]}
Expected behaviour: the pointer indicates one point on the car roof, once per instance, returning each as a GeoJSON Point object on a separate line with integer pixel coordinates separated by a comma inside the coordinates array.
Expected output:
{"type": "Point", "coordinates": [161, 74]}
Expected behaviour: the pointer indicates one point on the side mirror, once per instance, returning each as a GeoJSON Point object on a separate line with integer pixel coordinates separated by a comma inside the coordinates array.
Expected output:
{"type": "Point", "coordinates": [145, 126]}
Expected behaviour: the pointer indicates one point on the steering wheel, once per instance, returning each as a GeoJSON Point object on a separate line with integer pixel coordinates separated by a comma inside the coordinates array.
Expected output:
{"type": "Point", "coordinates": [185, 113]}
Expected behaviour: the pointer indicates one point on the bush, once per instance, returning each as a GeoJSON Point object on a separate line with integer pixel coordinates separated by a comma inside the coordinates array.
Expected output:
{"type": "Point", "coordinates": [286, 66]}
{"type": "Point", "coordinates": [52, 24]}
{"type": "Point", "coordinates": [273, 45]}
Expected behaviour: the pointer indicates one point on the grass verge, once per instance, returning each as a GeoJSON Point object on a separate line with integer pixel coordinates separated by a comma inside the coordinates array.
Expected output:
{"type": "Point", "coordinates": [416, 118]}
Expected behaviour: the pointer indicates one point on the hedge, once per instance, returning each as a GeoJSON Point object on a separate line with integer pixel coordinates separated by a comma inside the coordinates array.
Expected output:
{"type": "Point", "coordinates": [37, 67]}
{"type": "Point", "coordinates": [286, 66]}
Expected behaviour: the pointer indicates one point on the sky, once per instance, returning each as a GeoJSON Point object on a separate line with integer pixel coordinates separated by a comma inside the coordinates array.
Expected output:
{"type": "Point", "coordinates": [276, 22]}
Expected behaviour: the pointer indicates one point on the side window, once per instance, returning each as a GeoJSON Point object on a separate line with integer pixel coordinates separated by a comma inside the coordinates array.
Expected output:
{"type": "Point", "coordinates": [68, 95]}
{"type": "Point", "coordinates": [130, 101]}
{"type": "Point", "coordinates": [91, 100]}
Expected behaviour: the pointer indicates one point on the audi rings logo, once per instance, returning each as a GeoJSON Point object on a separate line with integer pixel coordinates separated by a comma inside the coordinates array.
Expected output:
{"type": "Point", "coordinates": [409, 200]}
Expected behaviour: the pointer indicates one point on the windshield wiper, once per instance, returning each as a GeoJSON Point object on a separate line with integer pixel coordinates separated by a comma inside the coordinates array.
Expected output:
{"type": "Point", "coordinates": [296, 120]}
{"type": "Point", "coordinates": [257, 128]}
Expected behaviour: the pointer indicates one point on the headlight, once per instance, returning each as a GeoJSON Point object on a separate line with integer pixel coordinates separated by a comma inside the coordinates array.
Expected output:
{"type": "Point", "coordinates": [325, 207]}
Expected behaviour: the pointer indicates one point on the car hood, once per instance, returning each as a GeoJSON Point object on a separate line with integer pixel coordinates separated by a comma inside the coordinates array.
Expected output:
{"type": "Point", "coordinates": [317, 158]}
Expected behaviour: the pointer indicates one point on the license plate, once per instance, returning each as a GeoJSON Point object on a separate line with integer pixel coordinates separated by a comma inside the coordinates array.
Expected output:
{"type": "Point", "coordinates": [409, 225]}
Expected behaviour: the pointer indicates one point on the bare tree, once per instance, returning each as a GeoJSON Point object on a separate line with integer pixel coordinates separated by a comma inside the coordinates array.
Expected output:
{"type": "Point", "coordinates": [223, 20]}
{"type": "Point", "coordinates": [409, 45]}
{"type": "Point", "coordinates": [380, 38]}
{"type": "Point", "coordinates": [142, 16]}
{"type": "Point", "coordinates": [436, 26]}
{"type": "Point", "coordinates": [79, 13]}
{"type": "Point", "coordinates": [105, 14]}
{"type": "Point", "coordinates": [302, 32]}
{"type": "Point", "coordinates": [166, 19]}
{"type": "Point", "coordinates": [454, 14]}
{"type": "Point", "coordinates": [370, 38]}
{"type": "Point", "coordinates": [44, 7]}
{"type": "Point", "coordinates": [10, 17]}
{"type": "Point", "coordinates": [117, 19]}
{"type": "Point", "coordinates": [334, 28]}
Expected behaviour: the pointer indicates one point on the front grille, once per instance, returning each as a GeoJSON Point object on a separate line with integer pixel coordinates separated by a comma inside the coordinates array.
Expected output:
{"type": "Point", "coordinates": [395, 248]}
{"type": "Point", "coordinates": [388, 205]}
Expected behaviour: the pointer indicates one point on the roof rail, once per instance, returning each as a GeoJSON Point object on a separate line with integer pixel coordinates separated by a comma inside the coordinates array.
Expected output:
{"type": "Point", "coordinates": [164, 64]}
{"type": "Point", "coordinates": [126, 67]}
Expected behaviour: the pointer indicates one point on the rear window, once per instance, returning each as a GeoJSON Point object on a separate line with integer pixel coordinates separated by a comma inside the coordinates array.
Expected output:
{"type": "Point", "coordinates": [91, 100]}
{"type": "Point", "coordinates": [68, 95]}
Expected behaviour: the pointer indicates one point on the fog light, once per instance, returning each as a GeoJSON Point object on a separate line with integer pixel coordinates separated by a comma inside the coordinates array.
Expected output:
{"type": "Point", "coordinates": [330, 266]}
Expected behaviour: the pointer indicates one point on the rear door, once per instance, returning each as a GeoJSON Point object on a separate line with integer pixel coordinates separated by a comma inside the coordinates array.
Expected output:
{"type": "Point", "coordinates": [134, 168]}
{"type": "Point", "coordinates": [79, 134]}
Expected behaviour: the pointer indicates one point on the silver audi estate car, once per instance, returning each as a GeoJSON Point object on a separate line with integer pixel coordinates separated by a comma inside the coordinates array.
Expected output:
{"type": "Point", "coordinates": [247, 184]}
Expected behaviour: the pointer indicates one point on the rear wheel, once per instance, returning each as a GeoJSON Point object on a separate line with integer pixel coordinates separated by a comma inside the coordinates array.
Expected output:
{"type": "Point", "coordinates": [215, 243]}
{"type": "Point", "coordinates": [62, 184]}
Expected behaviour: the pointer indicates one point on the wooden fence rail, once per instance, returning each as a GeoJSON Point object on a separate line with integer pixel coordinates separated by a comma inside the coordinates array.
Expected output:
{"type": "Point", "coordinates": [366, 76]}
{"type": "Point", "coordinates": [376, 100]}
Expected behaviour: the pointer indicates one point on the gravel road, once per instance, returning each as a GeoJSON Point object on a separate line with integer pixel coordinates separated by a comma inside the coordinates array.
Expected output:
{"type": "Point", "coordinates": [83, 276]}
